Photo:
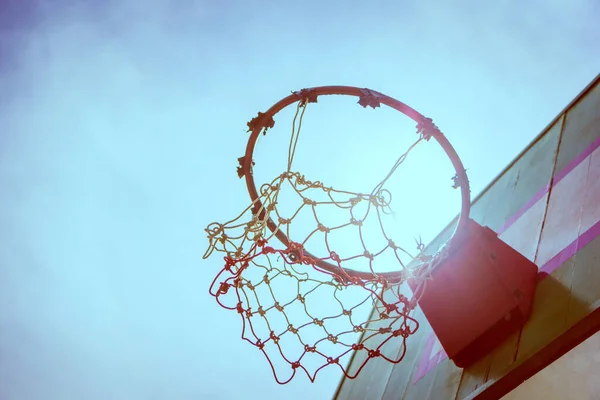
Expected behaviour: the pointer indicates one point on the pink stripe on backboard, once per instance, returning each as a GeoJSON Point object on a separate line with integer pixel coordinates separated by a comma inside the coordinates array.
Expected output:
{"type": "Point", "coordinates": [578, 160]}
{"type": "Point", "coordinates": [583, 240]}
{"type": "Point", "coordinates": [559, 176]}
{"type": "Point", "coordinates": [524, 209]}
{"type": "Point", "coordinates": [441, 355]}
{"type": "Point", "coordinates": [422, 369]}
{"type": "Point", "coordinates": [429, 361]}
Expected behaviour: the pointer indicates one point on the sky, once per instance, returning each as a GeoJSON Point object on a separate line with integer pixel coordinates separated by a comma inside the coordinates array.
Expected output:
{"type": "Point", "coordinates": [120, 127]}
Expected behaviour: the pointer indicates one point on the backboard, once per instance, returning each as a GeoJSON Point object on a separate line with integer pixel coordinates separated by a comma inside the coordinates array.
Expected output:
{"type": "Point", "coordinates": [546, 205]}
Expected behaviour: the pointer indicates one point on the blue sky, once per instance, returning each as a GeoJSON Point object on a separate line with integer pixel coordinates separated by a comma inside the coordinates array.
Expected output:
{"type": "Point", "coordinates": [120, 126]}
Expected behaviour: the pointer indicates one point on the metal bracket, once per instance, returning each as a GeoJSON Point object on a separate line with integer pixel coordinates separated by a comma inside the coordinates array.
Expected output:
{"type": "Point", "coordinates": [457, 182]}
{"type": "Point", "coordinates": [260, 122]}
{"type": "Point", "coordinates": [306, 96]}
{"type": "Point", "coordinates": [426, 128]}
{"type": "Point", "coordinates": [244, 168]}
{"type": "Point", "coordinates": [369, 98]}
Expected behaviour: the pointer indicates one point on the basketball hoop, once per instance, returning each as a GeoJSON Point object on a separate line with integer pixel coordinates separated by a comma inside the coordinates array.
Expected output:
{"type": "Point", "coordinates": [260, 252]}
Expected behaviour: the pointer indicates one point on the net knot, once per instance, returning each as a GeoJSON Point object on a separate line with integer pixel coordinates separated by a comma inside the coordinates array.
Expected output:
{"type": "Point", "coordinates": [381, 281]}
{"type": "Point", "coordinates": [239, 308]}
{"type": "Point", "coordinates": [293, 246]}
{"type": "Point", "coordinates": [224, 288]}
{"type": "Point", "coordinates": [310, 349]}
{"type": "Point", "coordinates": [374, 200]}
{"type": "Point", "coordinates": [331, 360]}
{"type": "Point", "coordinates": [359, 346]}
{"type": "Point", "coordinates": [390, 308]}
{"type": "Point", "coordinates": [301, 180]}
{"type": "Point", "coordinates": [229, 262]}
{"type": "Point", "coordinates": [308, 260]}
{"type": "Point", "coordinates": [295, 252]}
{"type": "Point", "coordinates": [355, 200]}
{"type": "Point", "coordinates": [356, 222]}
{"type": "Point", "coordinates": [335, 257]}
{"type": "Point", "coordinates": [401, 332]}
{"type": "Point", "coordinates": [238, 253]}
{"type": "Point", "coordinates": [323, 228]}
{"type": "Point", "coordinates": [274, 337]}
{"type": "Point", "coordinates": [374, 353]}
{"type": "Point", "coordinates": [357, 281]}
{"type": "Point", "coordinates": [268, 250]}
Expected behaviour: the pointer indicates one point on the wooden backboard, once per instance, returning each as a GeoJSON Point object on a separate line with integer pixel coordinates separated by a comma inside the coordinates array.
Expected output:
{"type": "Point", "coordinates": [546, 205]}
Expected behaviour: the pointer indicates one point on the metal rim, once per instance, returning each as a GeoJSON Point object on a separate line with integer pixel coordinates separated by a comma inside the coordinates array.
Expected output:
{"type": "Point", "coordinates": [366, 97]}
